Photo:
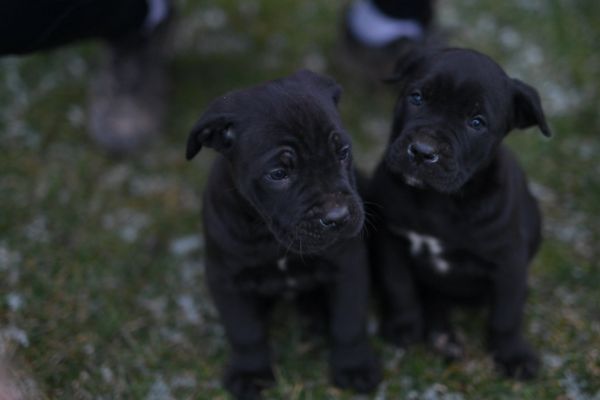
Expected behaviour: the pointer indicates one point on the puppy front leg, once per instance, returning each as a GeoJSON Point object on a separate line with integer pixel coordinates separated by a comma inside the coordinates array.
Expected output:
{"type": "Point", "coordinates": [439, 332]}
{"type": "Point", "coordinates": [402, 315]}
{"type": "Point", "coordinates": [244, 318]}
{"type": "Point", "coordinates": [513, 354]}
{"type": "Point", "coordinates": [353, 363]}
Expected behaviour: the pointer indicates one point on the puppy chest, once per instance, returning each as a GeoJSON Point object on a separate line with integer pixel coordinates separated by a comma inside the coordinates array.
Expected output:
{"type": "Point", "coordinates": [285, 275]}
{"type": "Point", "coordinates": [429, 250]}
{"type": "Point", "coordinates": [442, 257]}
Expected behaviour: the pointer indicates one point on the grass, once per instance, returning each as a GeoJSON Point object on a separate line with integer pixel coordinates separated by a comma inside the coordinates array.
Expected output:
{"type": "Point", "coordinates": [101, 276]}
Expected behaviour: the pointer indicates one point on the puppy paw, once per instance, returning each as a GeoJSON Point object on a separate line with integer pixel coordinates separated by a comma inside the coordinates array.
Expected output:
{"type": "Point", "coordinates": [247, 385]}
{"type": "Point", "coordinates": [447, 345]}
{"type": "Point", "coordinates": [517, 360]}
{"type": "Point", "coordinates": [362, 378]}
{"type": "Point", "coordinates": [402, 333]}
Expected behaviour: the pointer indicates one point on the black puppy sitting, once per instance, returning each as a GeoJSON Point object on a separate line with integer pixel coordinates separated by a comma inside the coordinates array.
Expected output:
{"type": "Point", "coordinates": [282, 214]}
{"type": "Point", "coordinates": [457, 222]}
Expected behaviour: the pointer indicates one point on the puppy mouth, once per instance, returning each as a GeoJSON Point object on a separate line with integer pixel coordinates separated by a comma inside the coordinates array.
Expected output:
{"type": "Point", "coordinates": [442, 176]}
{"type": "Point", "coordinates": [308, 242]}
{"type": "Point", "coordinates": [310, 236]}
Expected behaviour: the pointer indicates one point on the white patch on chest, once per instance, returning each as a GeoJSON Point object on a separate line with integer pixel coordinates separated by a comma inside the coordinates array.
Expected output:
{"type": "Point", "coordinates": [283, 267]}
{"type": "Point", "coordinates": [425, 245]}
{"type": "Point", "coordinates": [282, 264]}
{"type": "Point", "coordinates": [412, 181]}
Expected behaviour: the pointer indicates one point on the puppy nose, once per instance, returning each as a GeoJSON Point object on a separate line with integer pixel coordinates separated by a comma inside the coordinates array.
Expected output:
{"type": "Point", "coordinates": [335, 217]}
{"type": "Point", "coordinates": [421, 151]}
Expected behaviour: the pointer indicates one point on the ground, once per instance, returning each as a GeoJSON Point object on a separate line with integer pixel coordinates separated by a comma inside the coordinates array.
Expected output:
{"type": "Point", "coordinates": [101, 274]}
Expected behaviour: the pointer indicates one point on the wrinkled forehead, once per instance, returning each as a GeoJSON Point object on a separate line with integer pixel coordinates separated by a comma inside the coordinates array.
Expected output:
{"type": "Point", "coordinates": [301, 123]}
{"type": "Point", "coordinates": [466, 79]}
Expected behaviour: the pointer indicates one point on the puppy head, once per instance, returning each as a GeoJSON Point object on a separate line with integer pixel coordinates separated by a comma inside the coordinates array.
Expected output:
{"type": "Point", "coordinates": [289, 157]}
{"type": "Point", "coordinates": [454, 109]}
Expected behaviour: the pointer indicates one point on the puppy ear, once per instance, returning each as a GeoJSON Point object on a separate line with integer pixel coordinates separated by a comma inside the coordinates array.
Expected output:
{"type": "Point", "coordinates": [321, 82]}
{"type": "Point", "coordinates": [528, 108]}
{"type": "Point", "coordinates": [213, 131]}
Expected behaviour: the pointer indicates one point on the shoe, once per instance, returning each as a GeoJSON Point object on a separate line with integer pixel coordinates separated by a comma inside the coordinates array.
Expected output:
{"type": "Point", "coordinates": [377, 63]}
{"type": "Point", "coordinates": [127, 100]}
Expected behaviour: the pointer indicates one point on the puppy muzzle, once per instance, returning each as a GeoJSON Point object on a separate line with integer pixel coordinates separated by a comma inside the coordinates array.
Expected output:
{"type": "Point", "coordinates": [423, 161]}
{"type": "Point", "coordinates": [324, 225]}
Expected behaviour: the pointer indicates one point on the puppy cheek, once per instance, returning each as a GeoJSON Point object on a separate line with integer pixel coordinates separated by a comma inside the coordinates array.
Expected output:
{"type": "Point", "coordinates": [395, 157]}
{"type": "Point", "coordinates": [269, 206]}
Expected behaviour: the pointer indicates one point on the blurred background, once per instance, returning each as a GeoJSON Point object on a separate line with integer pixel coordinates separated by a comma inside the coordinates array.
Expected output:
{"type": "Point", "coordinates": [101, 274]}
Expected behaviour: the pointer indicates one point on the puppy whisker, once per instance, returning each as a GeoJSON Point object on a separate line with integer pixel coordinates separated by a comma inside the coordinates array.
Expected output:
{"type": "Point", "coordinates": [369, 225]}
{"type": "Point", "coordinates": [372, 203]}
{"type": "Point", "coordinates": [294, 237]}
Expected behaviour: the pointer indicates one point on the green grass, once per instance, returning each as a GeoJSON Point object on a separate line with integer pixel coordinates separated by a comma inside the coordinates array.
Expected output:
{"type": "Point", "coordinates": [96, 304]}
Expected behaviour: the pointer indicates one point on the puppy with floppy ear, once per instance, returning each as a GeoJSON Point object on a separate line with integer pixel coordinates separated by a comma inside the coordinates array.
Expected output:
{"type": "Point", "coordinates": [457, 222]}
{"type": "Point", "coordinates": [282, 216]}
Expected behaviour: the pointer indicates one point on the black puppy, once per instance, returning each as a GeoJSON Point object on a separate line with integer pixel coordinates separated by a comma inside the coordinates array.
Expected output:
{"type": "Point", "coordinates": [457, 222]}
{"type": "Point", "coordinates": [282, 215]}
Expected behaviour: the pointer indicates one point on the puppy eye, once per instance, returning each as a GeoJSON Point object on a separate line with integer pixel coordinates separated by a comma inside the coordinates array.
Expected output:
{"type": "Point", "coordinates": [344, 153]}
{"type": "Point", "coordinates": [416, 98]}
{"type": "Point", "coordinates": [278, 174]}
{"type": "Point", "coordinates": [477, 123]}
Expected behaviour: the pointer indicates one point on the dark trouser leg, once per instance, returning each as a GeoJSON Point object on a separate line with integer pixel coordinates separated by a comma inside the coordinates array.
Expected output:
{"type": "Point", "coordinates": [128, 92]}
{"type": "Point", "coordinates": [27, 25]}
{"type": "Point", "coordinates": [421, 10]}
{"type": "Point", "coordinates": [380, 32]}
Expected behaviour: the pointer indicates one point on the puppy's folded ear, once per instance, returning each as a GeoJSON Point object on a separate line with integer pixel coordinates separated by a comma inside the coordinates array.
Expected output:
{"type": "Point", "coordinates": [321, 82]}
{"type": "Point", "coordinates": [528, 108]}
{"type": "Point", "coordinates": [212, 130]}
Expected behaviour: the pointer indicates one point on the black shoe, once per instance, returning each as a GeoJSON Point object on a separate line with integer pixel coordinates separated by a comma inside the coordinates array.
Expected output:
{"type": "Point", "coordinates": [128, 94]}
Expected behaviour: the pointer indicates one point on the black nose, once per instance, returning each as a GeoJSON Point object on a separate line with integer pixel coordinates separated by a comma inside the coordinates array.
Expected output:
{"type": "Point", "coordinates": [421, 151]}
{"type": "Point", "coordinates": [335, 217]}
